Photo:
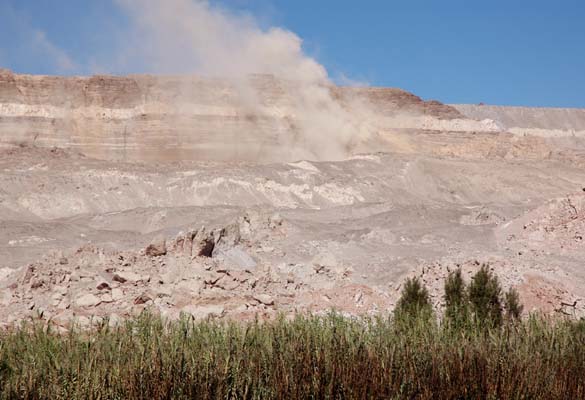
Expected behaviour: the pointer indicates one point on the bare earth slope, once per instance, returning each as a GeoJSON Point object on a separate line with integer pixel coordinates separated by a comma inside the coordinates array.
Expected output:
{"type": "Point", "coordinates": [567, 119]}
{"type": "Point", "coordinates": [82, 237]}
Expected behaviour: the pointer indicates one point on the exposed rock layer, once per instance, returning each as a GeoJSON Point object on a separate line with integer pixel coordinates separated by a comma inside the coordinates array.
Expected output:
{"type": "Point", "coordinates": [145, 118]}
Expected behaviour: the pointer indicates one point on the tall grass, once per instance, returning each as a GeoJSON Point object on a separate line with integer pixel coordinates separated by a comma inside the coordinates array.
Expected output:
{"type": "Point", "coordinates": [328, 357]}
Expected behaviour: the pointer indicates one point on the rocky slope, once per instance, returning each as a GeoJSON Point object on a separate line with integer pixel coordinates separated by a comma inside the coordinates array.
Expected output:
{"type": "Point", "coordinates": [91, 237]}
{"type": "Point", "coordinates": [86, 238]}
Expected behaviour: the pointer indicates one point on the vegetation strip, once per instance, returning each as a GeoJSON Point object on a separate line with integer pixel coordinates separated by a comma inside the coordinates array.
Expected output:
{"type": "Point", "coordinates": [469, 353]}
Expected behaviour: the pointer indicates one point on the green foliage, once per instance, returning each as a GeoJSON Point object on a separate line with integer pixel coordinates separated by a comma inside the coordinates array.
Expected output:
{"type": "Point", "coordinates": [485, 298]}
{"type": "Point", "coordinates": [456, 302]}
{"type": "Point", "coordinates": [414, 301]}
{"type": "Point", "coordinates": [512, 305]}
{"type": "Point", "coordinates": [330, 357]}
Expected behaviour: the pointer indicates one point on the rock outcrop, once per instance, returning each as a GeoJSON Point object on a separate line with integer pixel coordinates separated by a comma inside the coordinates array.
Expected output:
{"type": "Point", "coordinates": [96, 283]}
{"type": "Point", "coordinates": [146, 118]}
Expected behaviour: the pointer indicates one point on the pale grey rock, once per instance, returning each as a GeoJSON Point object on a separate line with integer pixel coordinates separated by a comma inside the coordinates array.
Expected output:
{"type": "Point", "coordinates": [5, 297]}
{"type": "Point", "coordinates": [117, 294]}
{"type": "Point", "coordinates": [106, 298]}
{"type": "Point", "coordinates": [87, 300]}
{"type": "Point", "coordinates": [324, 262]}
{"type": "Point", "coordinates": [114, 320]}
{"type": "Point", "coordinates": [64, 304]}
{"type": "Point", "coordinates": [82, 321]}
{"type": "Point", "coordinates": [237, 257]}
{"type": "Point", "coordinates": [200, 312]}
{"type": "Point", "coordinates": [193, 286]}
{"type": "Point", "coordinates": [265, 299]}
{"type": "Point", "coordinates": [164, 291]}
{"type": "Point", "coordinates": [275, 221]}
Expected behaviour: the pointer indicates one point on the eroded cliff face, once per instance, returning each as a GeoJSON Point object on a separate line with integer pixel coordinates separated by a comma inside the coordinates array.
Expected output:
{"type": "Point", "coordinates": [144, 118]}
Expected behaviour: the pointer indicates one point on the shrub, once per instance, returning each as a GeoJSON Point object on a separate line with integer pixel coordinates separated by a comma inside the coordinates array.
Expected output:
{"type": "Point", "coordinates": [414, 302]}
{"type": "Point", "coordinates": [456, 302]}
{"type": "Point", "coordinates": [512, 305]}
{"type": "Point", "coordinates": [484, 298]}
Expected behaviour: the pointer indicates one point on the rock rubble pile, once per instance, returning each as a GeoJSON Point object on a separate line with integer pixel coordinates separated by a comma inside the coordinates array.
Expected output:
{"type": "Point", "coordinates": [202, 273]}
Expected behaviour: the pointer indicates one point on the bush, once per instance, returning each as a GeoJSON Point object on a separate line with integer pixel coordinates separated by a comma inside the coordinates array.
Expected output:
{"type": "Point", "coordinates": [414, 299]}
{"type": "Point", "coordinates": [456, 302]}
{"type": "Point", "coordinates": [512, 305]}
{"type": "Point", "coordinates": [484, 298]}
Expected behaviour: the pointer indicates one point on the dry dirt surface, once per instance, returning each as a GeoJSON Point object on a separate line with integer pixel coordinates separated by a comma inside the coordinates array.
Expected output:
{"type": "Point", "coordinates": [90, 229]}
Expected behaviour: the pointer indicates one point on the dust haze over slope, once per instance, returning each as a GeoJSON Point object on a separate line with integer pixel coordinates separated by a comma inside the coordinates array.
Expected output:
{"type": "Point", "coordinates": [245, 94]}
{"type": "Point", "coordinates": [172, 118]}
{"type": "Point", "coordinates": [195, 37]}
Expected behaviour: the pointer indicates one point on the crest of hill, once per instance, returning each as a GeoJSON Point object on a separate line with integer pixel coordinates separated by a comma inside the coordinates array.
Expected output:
{"type": "Point", "coordinates": [134, 90]}
{"type": "Point", "coordinates": [169, 118]}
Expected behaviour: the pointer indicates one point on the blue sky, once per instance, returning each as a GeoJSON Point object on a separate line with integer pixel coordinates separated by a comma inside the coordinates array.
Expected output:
{"type": "Point", "coordinates": [498, 52]}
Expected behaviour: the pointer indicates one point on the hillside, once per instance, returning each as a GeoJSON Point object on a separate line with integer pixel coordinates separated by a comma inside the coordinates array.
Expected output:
{"type": "Point", "coordinates": [190, 195]}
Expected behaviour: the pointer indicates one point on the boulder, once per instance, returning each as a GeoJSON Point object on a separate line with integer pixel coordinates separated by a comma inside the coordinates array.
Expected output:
{"type": "Point", "coordinates": [106, 298]}
{"type": "Point", "coordinates": [229, 236]}
{"type": "Point", "coordinates": [117, 294]}
{"type": "Point", "coordinates": [87, 300]}
{"type": "Point", "coordinates": [103, 285]}
{"type": "Point", "coordinates": [114, 320]}
{"type": "Point", "coordinates": [203, 243]}
{"type": "Point", "coordinates": [210, 278]}
{"type": "Point", "coordinates": [174, 272]}
{"type": "Point", "coordinates": [183, 242]}
{"type": "Point", "coordinates": [142, 299]}
{"type": "Point", "coordinates": [275, 221]}
{"type": "Point", "coordinates": [37, 283]}
{"type": "Point", "coordinates": [129, 277]}
{"type": "Point", "coordinates": [237, 257]}
{"type": "Point", "coordinates": [265, 299]}
{"type": "Point", "coordinates": [204, 311]}
{"type": "Point", "coordinates": [157, 248]}
{"type": "Point", "coordinates": [326, 263]}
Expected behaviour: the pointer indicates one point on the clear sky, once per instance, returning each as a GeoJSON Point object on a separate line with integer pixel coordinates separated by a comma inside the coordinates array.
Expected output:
{"type": "Point", "coordinates": [514, 52]}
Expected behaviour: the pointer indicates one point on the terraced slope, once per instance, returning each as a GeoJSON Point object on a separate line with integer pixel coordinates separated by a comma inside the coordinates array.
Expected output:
{"type": "Point", "coordinates": [124, 193]}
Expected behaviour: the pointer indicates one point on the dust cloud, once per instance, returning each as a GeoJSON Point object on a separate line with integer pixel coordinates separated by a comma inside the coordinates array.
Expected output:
{"type": "Point", "coordinates": [196, 37]}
